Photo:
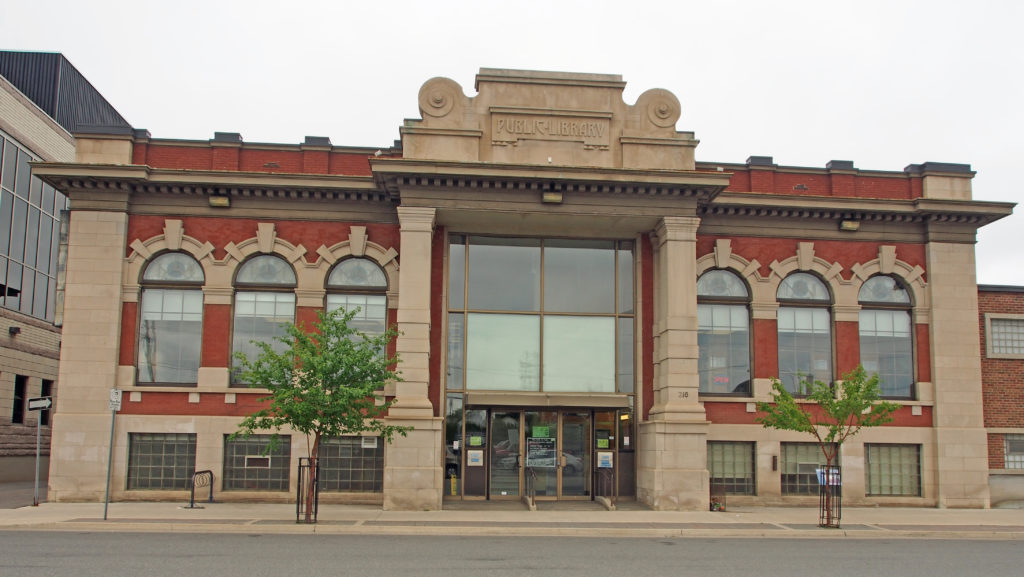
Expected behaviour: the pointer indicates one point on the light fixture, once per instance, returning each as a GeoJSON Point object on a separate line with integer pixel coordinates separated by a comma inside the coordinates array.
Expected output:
{"type": "Point", "coordinates": [13, 331]}
{"type": "Point", "coordinates": [552, 197]}
{"type": "Point", "coordinates": [220, 201]}
{"type": "Point", "coordinates": [849, 225]}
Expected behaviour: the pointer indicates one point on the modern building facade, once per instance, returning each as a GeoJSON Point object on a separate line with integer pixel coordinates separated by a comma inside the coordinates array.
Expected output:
{"type": "Point", "coordinates": [585, 309]}
{"type": "Point", "coordinates": [42, 99]}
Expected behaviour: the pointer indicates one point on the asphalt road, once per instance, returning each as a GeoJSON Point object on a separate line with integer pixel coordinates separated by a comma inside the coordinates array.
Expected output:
{"type": "Point", "coordinates": [56, 554]}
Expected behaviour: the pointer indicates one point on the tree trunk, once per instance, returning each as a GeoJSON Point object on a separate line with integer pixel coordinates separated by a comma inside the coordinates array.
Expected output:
{"type": "Point", "coordinates": [311, 488]}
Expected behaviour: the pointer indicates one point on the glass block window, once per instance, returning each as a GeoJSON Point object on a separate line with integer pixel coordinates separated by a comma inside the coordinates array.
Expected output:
{"type": "Point", "coordinates": [893, 470]}
{"type": "Point", "coordinates": [352, 464]}
{"type": "Point", "coordinates": [1006, 337]}
{"type": "Point", "coordinates": [731, 467]}
{"type": "Point", "coordinates": [249, 466]}
{"type": "Point", "coordinates": [161, 460]}
{"type": "Point", "coordinates": [1014, 456]}
{"type": "Point", "coordinates": [798, 464]}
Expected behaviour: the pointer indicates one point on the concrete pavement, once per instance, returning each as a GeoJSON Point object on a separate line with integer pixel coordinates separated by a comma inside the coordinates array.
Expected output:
{"type": "Point", "coordinates": [503, 519]}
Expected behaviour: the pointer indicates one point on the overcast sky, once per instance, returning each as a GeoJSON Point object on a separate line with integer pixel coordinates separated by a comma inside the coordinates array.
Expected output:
{"type": "Point", "coordinates": [884, 84]}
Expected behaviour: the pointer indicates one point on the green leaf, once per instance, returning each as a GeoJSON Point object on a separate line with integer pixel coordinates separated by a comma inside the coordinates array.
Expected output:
{"type": "Point", "coordinates": [325, 382]}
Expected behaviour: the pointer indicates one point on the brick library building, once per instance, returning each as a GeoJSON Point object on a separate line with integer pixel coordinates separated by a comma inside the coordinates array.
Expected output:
{"type": "Point", "coordinates": [585, 309]}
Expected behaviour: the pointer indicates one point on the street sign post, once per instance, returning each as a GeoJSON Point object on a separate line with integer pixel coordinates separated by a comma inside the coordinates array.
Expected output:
{"type": "Point", "coordinates": [115, 406]}
{"type": "Point", "coordinates": [38, 404]}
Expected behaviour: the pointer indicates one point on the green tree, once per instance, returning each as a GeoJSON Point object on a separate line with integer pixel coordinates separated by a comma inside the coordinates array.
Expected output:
{"type": "Point", "coordinates": [831, 416]}
{"type": "Point", "coordinates": [325, 382]}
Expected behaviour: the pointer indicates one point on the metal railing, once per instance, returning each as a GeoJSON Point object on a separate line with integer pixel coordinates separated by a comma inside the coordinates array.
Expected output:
{"type": "Point", "coordinates": [605, 485]}
{"type": "Point", "coordinates": [200, 479]}
{"type": "Point", "coordinates": [531, 487]}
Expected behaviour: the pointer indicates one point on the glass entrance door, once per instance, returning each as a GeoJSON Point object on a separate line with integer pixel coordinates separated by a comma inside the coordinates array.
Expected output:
{"type": "Point", "coordinates": [504, 457]}
{"type": "Point", "coordinates": [542, 452]}
{"type": "Point", "coordinates": [575, 455]}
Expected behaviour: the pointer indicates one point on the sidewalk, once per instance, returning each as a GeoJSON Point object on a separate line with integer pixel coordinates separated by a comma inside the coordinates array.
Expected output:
{"type": "Point", "coordinates": [771, 522]}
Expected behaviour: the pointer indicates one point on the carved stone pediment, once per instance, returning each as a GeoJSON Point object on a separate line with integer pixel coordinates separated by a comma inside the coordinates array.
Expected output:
{"type": "Point", "coordinates": [548, 118]}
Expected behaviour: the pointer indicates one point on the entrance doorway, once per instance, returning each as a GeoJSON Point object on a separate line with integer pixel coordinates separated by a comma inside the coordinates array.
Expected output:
{"type": "Point", "coordinates": [548, 452]}
{"type": "Point", "coordinates": [506, 453]}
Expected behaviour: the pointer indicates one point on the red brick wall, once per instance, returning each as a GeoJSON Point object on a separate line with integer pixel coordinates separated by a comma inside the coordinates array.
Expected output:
{"type": "Point", "coordinates": [805, 183]}
{"type": "Point", "coordinates": [996, 451]}
{"type": "Point", "coordinates": [284, 160]}
{"type": "Point", "coordinates": [646, 363]}
{"type": "Point", "coordinates": [736, 414]}
{"type": "Point", "coordinates": [1002, 379]}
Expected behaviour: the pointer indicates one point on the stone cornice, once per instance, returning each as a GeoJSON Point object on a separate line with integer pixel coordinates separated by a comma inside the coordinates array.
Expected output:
{"type": "Point", "coordinates": [971, 213]}
{"type": "Point", "coordinates": [140, 179]}
{"type": "Point", "coordinates": [395, 174]}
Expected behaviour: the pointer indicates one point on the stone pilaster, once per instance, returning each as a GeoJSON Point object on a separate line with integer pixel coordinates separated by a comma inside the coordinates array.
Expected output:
{"type": "Point", "coordinates": [413, 343]}
{"type": "Point", "coordinates": [412, 470]}
{"type": "Point", "coordinates": [89, 355]}
{"type": "Point", "coordinates": [960, 437]}
{"type": "Point", "coordinates": [672, 467]}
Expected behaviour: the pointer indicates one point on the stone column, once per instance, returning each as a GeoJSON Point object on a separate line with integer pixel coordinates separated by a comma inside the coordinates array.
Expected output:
{"type": "Point", "coordinates": [961, 442]}
{"type": "Point", "coordinates": [672, 465]}
{"type": "Point", "coordinates": [89, 357]}
{"type": "Point", "coordinates": [413, 467]}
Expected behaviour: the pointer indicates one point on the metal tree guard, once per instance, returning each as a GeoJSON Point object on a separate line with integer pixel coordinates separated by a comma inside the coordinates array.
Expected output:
{"type": "Point", "coordinates": [309, 489]}
{"type": "Point", "coordinates": [830, 496]}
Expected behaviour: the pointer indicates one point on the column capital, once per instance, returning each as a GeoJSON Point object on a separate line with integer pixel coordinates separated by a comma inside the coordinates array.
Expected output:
{"type": "Point", "coordinates": [415, 218]}
{"type": "Point", "coordinates": [676, 228]}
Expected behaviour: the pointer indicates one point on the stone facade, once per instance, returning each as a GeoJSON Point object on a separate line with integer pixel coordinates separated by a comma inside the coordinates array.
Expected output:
{"type": "Point", "coordinates": [532, 156]}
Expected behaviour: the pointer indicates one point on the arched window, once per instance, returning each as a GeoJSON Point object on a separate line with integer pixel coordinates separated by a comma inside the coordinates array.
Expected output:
{"type": "Point", "coordinates": [886, 338]}
{"type": "Point", "coordinates": [360, 283]}
{"type": "Point", "coordinates": [171, 320]}
{"type": "Point", "coordinates": [264, 304]}
{"type": "Point", "coordinates": [805, 331]}
{"type": "Point", "coordinates": [723, 333]}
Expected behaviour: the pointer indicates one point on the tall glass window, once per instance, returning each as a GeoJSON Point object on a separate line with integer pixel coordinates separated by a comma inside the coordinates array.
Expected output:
{"type": "Point", "coordinates": [723, 333]}
{"type": "Point", "coordinates": [886, 337]}
{"type": "Point", "coordinates": [540, 314]}
{"type": "Point", "coordinates": [805, 331]}
{"type": "Point", "coordinates": [359, 283]}
{"type": "Point", "coordinates": [264, 304]}
{"type": "Point", "coordinates": [170, 320]}
{"type": "Point", "coordinates": [30, 213]}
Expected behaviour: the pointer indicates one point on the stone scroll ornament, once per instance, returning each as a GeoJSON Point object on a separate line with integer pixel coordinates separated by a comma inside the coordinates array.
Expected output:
{"type": "Point", "coordinates": [439, 96]}
{"type": "Point", "coordinates": [662, 107]}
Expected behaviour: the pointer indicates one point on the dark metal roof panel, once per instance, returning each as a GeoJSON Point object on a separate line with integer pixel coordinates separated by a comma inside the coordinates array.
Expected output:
{"type": "Point", "coordinates": [62, 92]}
